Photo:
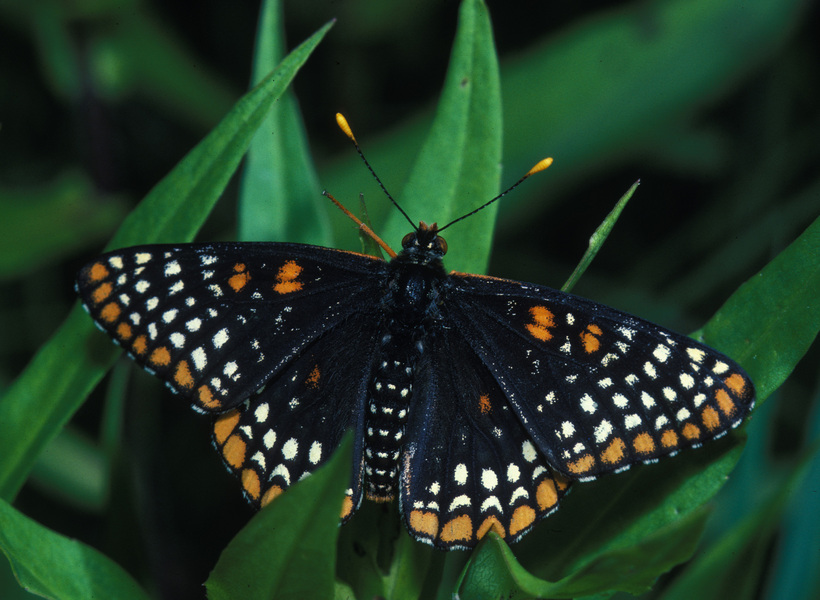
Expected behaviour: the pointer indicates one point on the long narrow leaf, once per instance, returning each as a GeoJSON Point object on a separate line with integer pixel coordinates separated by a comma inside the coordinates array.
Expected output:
{"type": "Point", "coordinates": [54, 566]}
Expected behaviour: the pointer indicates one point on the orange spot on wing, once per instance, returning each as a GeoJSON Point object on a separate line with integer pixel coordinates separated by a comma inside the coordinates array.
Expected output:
{"type": "Point", "coordinates": [250, 481]}
{"type": "Point", "coordinates": [691, 431]}
{"type": "Point", "coordinates": [522, 517]}
{"type": "Point", "coordinates": [643, 443]}
{"type": "Point", "coordinates": [711, 418]}
{"type": "Point", "coordinates": [160, 357]}
{"type": "Point", "coordinates": [725, 403]}
{"type": "Point", "coordinates": [234, 451]}
{"type": "Point", "coordinates": [270, 495]}
{"type": "Point", "coordinates": [347, 507]}
{"type": "Point", "coordinates": [240, 279]}
{"type": "Point", "coordinates": [206, 398]}
{"type": "Point", "coordinates": [546, 495]}
{"type": "Point", "coordinates": [582, 465]}
{"type": "Point", "coordinates": [110, 312]}
{"type": "Point", "coordinates": [614, 453]}
{"type": "Point", "coordinates": [225, 425]}
{"type": "Point", "coordinates": [97, 272]}
{"type": "Point", "coordinates": [491, 523]}
{"type": "Point", "coordinates": [423, 523]}
{"type": "Point", "coordinates": [484, 404]}
{"type": "Point", "coordinates": [589, 337]}
{"type": "Point", "coordinates": [140, 345]}
{"type": "Point", "coordinates": [102, 292]}
{"type": "Point", "coordinates": [312, 380]}
{"type": "Point", "coordinates": [124, 331]}
{"type": "Point", "coordinates": [542, 321]}
{"type": "Point", "coordinates": [286, 278]}
{"type": "Point", "coordinates": [736, 383]}
{"type": "Point", "coordinates": [458, 529]}
{"type": "Point", "coordinates": [669, 439]}
{"type": "Point", "coordinates": [182, 375]}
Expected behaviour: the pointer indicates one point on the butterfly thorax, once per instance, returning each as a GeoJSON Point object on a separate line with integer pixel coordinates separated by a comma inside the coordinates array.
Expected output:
{"type": "Point", "coordinates": [410, 311]}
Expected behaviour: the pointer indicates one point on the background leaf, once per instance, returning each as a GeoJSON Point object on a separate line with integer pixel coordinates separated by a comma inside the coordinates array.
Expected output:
{"type": "Point", "coordinates": [53, 566]}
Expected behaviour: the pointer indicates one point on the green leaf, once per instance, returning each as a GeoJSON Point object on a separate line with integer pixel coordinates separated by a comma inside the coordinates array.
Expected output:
{"type": "Point", "coordinates": [280, 198]}
{"type": "Point", "coordinates": [604, 90]}
{"type": "Point", "coordinates": [459, 166]}
{"type": "Point", "coordinates": [495, 572]}
{"type": "Point", "coordinates": [723, 571]}
{"type": "Point", "coordinates": [38, 405]}
{"type": "Point", "coordinates": [53, 566]}
{"type": "Point", "coordinates": [770, 322]}
{"type": "Point", "coordinates": [288, 549]}
{"type": "Point", "coordinates": [597, 239]}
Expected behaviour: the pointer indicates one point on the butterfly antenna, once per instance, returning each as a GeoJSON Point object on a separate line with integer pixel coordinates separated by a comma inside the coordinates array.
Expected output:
{"type": "Point", "coordinates": [539, 166]}
{"type": "Point", "coordinates": [345, 127]}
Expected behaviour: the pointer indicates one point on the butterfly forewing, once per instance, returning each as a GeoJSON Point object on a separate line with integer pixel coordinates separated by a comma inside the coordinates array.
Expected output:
{"type": "Point", "coordinates": [216, 321]}
{"type": "Point", "coordinates": [598, 390]}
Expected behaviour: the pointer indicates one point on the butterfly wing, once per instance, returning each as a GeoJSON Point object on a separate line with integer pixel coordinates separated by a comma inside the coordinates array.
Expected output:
{"type": "Point", "coordinates": [261, 334]}
{"type": "Point", "coordinates": [597, 390]}
{"type": "Point", "coordinates": [217, 321]}
{"type": "Point", "coordinates": [284, 432]}
{"type": "Point", "coordinates": [469, 464]}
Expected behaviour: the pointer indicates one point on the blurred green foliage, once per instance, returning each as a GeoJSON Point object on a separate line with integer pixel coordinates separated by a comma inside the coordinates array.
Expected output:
{"type": "Point", "coordinates": [712, 105]}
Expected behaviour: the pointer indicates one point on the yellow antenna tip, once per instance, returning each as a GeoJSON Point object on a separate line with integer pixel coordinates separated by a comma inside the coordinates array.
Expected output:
{"type": "Point", "coordinates": [342, 123]}
{"type": "Point", "coordinates": [539, 166]}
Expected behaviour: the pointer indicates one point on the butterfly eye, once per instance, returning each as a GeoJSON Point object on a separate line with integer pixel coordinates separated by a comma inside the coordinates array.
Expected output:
{"type": "Point", "coordinates": [441, 245]}
{"type": "Point", "coordinates": [408, 240]}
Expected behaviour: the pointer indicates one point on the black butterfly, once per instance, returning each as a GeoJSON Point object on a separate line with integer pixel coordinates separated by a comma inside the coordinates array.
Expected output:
{"type": "Point", "coordinates": [474, 400]}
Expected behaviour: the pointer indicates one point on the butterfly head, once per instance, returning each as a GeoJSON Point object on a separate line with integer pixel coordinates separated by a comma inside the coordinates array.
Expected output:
{"type": "Point", "coordinates": [424, 244]}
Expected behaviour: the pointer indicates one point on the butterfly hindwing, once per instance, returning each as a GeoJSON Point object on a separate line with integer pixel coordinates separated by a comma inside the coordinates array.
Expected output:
{"type": "Point", "coordinates": [288, 429]}
{"type": "Point", "coordinates": [598, 390]}
{"type": "Point", "coordinates": [216, 321]}
{"type": "Point", "coordinates": [470, 466]}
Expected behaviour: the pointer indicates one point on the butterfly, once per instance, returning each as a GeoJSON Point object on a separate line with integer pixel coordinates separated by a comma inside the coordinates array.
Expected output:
{"type": "Point", "coordinates": [474, 401]}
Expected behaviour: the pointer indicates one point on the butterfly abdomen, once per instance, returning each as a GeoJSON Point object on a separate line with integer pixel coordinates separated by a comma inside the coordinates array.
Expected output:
{"type": "Point", "coordinates": [388, 404]}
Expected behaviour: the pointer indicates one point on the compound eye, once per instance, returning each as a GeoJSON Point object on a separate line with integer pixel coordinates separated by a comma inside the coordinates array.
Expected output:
{"type": "Point", "coordinates": [408, 240]}
{"type": "Point", "coordinates": [441, 245]}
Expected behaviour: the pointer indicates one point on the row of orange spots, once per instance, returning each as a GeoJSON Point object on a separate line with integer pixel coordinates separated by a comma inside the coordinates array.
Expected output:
{"type": "Point", "coordinates": [461, 529]}
{"type": "Point", "coordinates": [542, 321]}
{"type": "Point", "coordinates": [240, 278]}
{"type": "Point", "coordinates": [286, 278]}
{"type": "Point", "coordinates": [589, 337]}
{"type": "Point", "coordinates": [234, 449]}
